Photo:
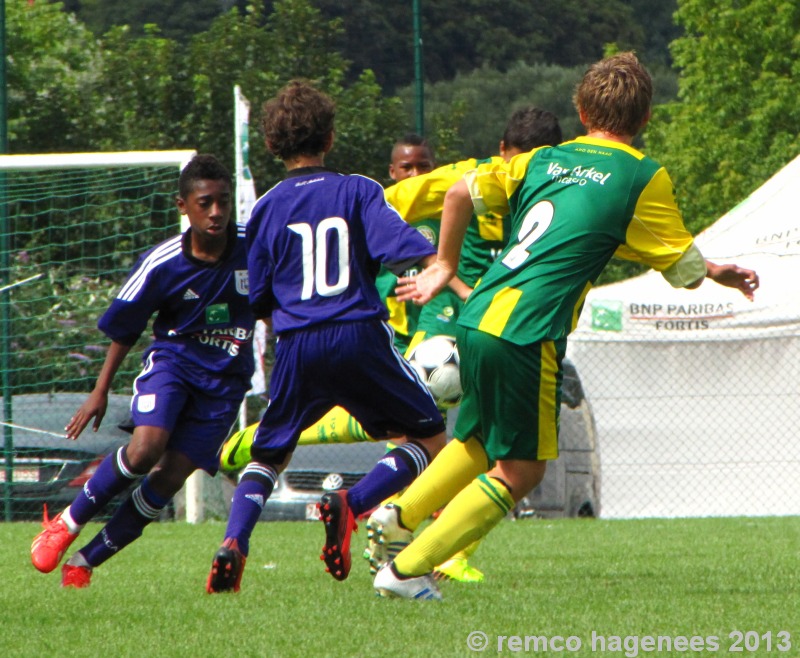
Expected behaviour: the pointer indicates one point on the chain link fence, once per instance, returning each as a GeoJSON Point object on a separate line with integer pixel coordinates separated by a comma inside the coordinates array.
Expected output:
{"type": "Point", "coordinates": [696, 393]}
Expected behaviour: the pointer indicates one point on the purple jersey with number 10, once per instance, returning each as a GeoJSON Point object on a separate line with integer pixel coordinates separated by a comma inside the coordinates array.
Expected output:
{"type": "Point", "coordinates": [315, 243]}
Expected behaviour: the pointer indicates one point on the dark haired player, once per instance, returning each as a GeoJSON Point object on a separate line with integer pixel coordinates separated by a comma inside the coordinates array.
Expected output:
{"type": "Point", "coordinates": [411, 156]}
{"type": "Point", "coordinates": [316, 240]}
{"type": "Point", "coordinates": [196, 373]}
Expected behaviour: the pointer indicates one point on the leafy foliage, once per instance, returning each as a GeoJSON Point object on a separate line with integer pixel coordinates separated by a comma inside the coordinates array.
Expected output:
{"type": "Point", "coordinates": [458, 36]}
{"type": "Point", "coordinates": [139, 93]}
{"type": "Point", "coordinates": [476, 105]}
{"type": "Point", "coordinates": [51, 346]}
{"type": "Point", "coordinates": [138, 89]}
{"type": "Point", "coordinates": [52, 66]}
{"type": "Point", "coordinates": [81, 230]}
{"type": "Point", "coordinates": [177, 20]}
{"type": "Point", "coordinates": [737, 119]}
{"type": "Point", "coordinates": [482, 121]}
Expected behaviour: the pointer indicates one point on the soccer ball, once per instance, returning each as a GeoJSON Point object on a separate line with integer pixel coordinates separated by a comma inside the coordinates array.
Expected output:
{"type": "Point", "coordinates": [436, 360]}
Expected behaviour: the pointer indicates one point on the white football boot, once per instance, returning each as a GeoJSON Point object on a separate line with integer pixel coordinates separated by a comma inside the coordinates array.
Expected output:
{"type": "Point", "coordinates": [386, 537]}
{"type": "Point", "coordinates": [423, 588]}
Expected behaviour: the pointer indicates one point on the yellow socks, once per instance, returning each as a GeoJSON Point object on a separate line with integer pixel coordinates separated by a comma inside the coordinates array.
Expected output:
{"type": "Point", "coordinates": [336, 426]}
{"type": "Point", "coordinates": [452, 470]}
{"type": "Point", "coordinates": [479, 507]}
{"type": "Point", "coordinates": [468, 552]}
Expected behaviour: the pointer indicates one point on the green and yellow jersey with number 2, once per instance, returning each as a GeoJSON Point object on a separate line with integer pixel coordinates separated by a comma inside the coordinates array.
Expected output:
{"type": "Point", "coordinates": [573, 207]}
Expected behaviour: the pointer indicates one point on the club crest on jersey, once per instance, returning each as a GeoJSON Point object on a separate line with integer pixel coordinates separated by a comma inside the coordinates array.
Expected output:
{"type": "Point", "coordinates": [242, 282]}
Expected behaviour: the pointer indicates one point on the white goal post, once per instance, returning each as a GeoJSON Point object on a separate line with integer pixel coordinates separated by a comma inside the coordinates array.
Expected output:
{"type": "Point", "coordinates": [25, 162]}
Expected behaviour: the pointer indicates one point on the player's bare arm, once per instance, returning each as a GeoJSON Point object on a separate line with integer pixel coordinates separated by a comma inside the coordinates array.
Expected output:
{"type": "Point", "coordinates": [97, 401]}
{"type": "Point", "coordinates": [733, 276]}
{"type": "Point", "coordinates": [456, 214]}
{"type": "Point", "coordinates": [460, 288]}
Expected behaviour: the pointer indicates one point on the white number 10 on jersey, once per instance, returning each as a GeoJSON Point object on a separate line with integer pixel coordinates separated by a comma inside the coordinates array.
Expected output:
{"type": "Point", "coordinates": [316, 257]}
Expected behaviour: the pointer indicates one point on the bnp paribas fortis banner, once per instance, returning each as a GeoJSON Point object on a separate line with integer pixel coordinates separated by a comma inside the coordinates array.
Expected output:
{"type": "Point", "coordinates": [762, 233]}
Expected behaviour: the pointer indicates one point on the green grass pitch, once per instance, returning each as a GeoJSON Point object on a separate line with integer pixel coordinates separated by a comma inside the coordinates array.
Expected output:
{"type": "Point", "coordinates": [587, 581]}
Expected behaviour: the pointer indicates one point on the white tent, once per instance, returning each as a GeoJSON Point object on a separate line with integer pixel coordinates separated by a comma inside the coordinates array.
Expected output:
{"type": "Point", "coordinates": [696, 393]}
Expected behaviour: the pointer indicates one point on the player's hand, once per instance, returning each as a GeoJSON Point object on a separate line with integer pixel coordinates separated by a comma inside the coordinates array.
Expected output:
{"type": "Point", "coordinates": [94, 407]}
{"type": "Point", "coordinates": [733, 276]}
{"type": "Point", "coordinates": [425, 286]}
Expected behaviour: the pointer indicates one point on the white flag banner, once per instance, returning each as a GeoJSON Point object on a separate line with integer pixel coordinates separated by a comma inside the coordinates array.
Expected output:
{"type": "Point", "coordinates": [245, 200]}
{"type": "Point", "coordinates": [245, 188]}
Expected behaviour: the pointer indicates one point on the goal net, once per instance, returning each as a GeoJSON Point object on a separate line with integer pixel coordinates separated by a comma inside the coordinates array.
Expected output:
{"type": "Point", "coordinates": [71, 227]}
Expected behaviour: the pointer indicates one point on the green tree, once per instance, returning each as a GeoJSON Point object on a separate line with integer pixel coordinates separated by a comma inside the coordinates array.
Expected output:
{"type": "Point", "coordinates": [139, 99]}
{"type": "Point", "coordinates": [139, 89]}
{"type": "Point", "coordinates": [263, 53]}
{"type": "Point", "coordinates": [176, 20]}
{"type": "Point", "coordinates": [52, 64]}
{"type": "Point", "coordinates": [458, 35]}
{"type": "Point", "coordinates": [462, 35]}
{"type": "Point", "coordinates": [487, 97]}
{"type": "Point", "coordinates": [737, 119]}
{"type": "Point", "coordinates": [656, 20]}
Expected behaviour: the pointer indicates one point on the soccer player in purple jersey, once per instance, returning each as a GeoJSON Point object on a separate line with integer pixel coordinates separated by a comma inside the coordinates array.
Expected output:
{"type": "Point", "coordinates": [316, 241]}
{"type": "Point", "coordinates": [196, 373]}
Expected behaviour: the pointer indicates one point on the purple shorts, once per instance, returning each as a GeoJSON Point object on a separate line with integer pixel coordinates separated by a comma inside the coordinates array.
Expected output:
{"type": "Point", "coordinates": [198, 408]}
{"type": "Point", "coordinates": [350, 364]}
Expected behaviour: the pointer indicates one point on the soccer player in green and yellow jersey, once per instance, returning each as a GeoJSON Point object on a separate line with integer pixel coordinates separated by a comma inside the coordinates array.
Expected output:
{"type": "Point", "coordinates": [573, 207]}
{"type": "Point", "coordinates": [411, 156]}
{"type": "Point", "coordinates": [487, 234]}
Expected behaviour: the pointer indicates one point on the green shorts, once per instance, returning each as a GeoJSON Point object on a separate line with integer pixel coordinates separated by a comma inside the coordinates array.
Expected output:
{"type": "Point", "coordinates": [512, 395]}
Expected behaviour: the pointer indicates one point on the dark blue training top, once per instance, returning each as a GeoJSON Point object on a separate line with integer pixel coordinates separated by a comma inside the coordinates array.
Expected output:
{"type": "Point", "coordinates": [203, 314]}
{"type": "Point", "coordinates": [315, 243]}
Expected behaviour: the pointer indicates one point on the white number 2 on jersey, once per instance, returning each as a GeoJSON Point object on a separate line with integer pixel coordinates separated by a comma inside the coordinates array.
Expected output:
{"type": "Point", "coordinates": [533, 226]}
{"type": "Point", "coordinates": [316, 257]}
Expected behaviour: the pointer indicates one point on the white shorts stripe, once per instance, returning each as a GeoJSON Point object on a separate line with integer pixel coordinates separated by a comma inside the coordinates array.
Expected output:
{"type": "Point", "coordinates": [404, 364]}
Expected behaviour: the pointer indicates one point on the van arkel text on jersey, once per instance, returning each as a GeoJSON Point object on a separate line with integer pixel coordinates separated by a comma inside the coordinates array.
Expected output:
{"type": "Point", "coordinates": [577, 175]}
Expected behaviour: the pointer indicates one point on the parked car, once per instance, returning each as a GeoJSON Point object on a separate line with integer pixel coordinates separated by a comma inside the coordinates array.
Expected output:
{"type": "Point", "coordinates": [315, 470]}
{"type": "Point", "coordinates": [570, 487]}
{"type": "Point", "coordinates": [38, 467]}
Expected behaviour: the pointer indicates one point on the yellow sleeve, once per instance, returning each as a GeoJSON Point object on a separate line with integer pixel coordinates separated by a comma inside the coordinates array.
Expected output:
{"type": "Point", "coordinates": [422, 197]}
{"type": "Point", "coordinates": [493, 183]}
{"type": "Point", "coordinates": [656, 235]}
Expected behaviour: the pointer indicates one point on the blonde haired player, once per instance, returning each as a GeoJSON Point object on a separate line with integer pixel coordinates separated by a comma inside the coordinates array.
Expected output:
{"type": "Point", "coordinates": [573, 207]}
